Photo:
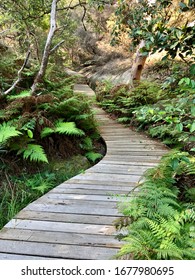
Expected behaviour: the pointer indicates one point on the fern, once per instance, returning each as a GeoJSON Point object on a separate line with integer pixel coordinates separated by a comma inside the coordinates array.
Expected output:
{"type": "Point", "coordinates": [87, 144]}
{"type": "Point", "coordinates": [22, 94]}
{"type": "Point", "coordinates": [46, 132]}
{"type": "Point", "coordinates": [92, 156]}
{"type": "Point", "coordinates": [68, 128]}
{"type": "Point", "coordinates": [7, 131]}
{"type": "Point", "coordinates": [162, 227]}
{"type": "Point", "coordinates": [34, 153]}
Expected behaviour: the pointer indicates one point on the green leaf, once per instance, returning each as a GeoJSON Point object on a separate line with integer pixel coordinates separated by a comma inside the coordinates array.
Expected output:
{"type": "Point", "coordinates": [46, 132]}
{"type": "Point", "coordinates": [192, 109]}
{"type": "Point", "coordinates": [192, 127]}
{"type": "Point", "coordinates": [30, 133]}
{"type": "Point", "coordinates": [179, 127]}
{"type": "Point", "coordinates": [68, 128]}
{"type": "Point", "coordinates": [7, 131]}
{"type": "Point", "coordinates": [34, 153]}
{"type": "Point", "coordinates": [22, 94]}
{"type": "Point", "coordinates": [93, 156]}
{"type": "Point", "coordinates": [174, 163]}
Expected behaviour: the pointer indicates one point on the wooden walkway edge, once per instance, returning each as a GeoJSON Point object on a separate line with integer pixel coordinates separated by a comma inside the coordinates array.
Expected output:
{"type": "Point", "coordinates": [75, 219]}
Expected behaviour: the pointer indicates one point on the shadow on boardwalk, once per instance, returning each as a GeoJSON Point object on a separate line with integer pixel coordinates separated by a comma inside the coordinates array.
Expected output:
{"type": "Point", "coordinates": [75, 219]}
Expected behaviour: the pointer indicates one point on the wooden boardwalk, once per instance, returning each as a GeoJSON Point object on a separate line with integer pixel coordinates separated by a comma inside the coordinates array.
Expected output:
{"type": "Point", "coordinates": [75, 219]}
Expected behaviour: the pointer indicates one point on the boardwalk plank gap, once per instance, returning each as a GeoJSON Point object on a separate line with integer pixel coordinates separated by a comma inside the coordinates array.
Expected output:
{"type": "Point", "coordinates": [75, 220]}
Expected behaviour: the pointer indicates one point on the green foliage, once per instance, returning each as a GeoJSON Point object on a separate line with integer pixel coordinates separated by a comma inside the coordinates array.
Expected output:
{"type": "Point", "coordinates": [170, 120]}
{"type": "Point", "coordinates": [122, 101]}
{"type": "Point", "coordinates": [154, 23]}
{"type": "Point", "coordinates": [34, 153]}
{"type": "Point", "coordinates": [20, 95]}
{"type": "Point", "coordinates": [161, 223]}
{"type": "Point", "coordinates": [68, 128]}
{"type": "Point", "coordinates": [7, 131]}
{"type": "Point", "coordinates": [92, 156]}
{"type": "Point", "coordinates": [18, 190]}
{"type": "Point", "coordinates": [44, 119]}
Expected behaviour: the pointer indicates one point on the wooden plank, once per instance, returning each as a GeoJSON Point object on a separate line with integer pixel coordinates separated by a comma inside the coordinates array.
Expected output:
{"type": "Point", "coordinates": [135, 148]}
{"type": "Point", "coordinates": [118, 169]}
{"type": "Point", "coordinates": [53, 250]}
{"type": "Point", "coordinates": [78, 197]}
{"type": "Point", "coordinates": [81, 209]}
{"type": "Point", "coordinates": [71, 202]}
{"type": "Point", "coordinates": [92, 188]}
{"type": "Point", "coordinates": [109, 177]}
{"type": "Point", "coordinates": [61, 227]}
{"type": "Point", "coordinates": [4, 256]}
{"type": "Point", "coordinates": [133, 163]}
{"type": "Point", "coordinates": [85, 191]}
{"type": "Point", "coordinates": [94, 240]}
{"type": "Point", "coordinates": [124, 140]}
{"type": "Point", "coordinates": [120, 159]}
{"type": "Point", "coordinates": [66, 218]}
{"type": "Point", "coordinates": [102, 183]}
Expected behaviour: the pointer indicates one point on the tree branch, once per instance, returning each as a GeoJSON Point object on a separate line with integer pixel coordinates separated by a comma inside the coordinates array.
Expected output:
{"type": "Point", "coordinates": [48, 43]}
{"type": "Point", "coordinates": [84, 14]}
{"type": "Point", "coordinates": [57, 46]}
{"type": "Point", "coordinates": [19, 74]}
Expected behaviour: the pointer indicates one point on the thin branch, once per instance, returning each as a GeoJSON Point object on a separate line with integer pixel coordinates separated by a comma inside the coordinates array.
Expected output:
{"type": "Point", "coordinates": [84, 14]}
{"type": "Point", "coordinates": [57, 46]}
{"type": "Point", "coordinates": [19, 74]}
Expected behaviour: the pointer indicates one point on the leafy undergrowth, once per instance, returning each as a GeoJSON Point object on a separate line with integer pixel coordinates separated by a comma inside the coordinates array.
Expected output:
{"type": "Point", "coordinates": [161, 215]}
{"type": "Point", "coordinates": [163, 113]}
{"type": "Point", "coordinates": [18, 190]}
{"type": "Point", "coordinates": [35, 131]}
{"type": "Point", "coordinates": [159, 220]}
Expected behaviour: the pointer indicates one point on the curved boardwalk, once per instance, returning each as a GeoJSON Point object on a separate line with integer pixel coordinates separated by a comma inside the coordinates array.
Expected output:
{"type": "Point", "coordinates": [75, 219]}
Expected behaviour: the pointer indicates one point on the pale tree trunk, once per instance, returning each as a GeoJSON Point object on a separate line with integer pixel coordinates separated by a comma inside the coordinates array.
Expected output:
{"type": "Point", "coordinates": [47, 48]}
{"type": "Point", "coordinates": [139, 63]}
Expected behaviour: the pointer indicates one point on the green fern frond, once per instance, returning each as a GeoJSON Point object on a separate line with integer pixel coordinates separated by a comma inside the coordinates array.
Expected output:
{"type": "Point", "coordinates": [87, 144]}
{"type": "Point", "coordinates": [45, 186]}
{"type": "Point", "coordinates": [34, 153]}
{"type": "Point", "coordinates": [46, 132]}
{"type": "Point", "coordinates": [124, 119]}
{"type": "Point", "coordinates": [169, 250]}
{"type": "Point", "coordinates": [83, 116]}
{"type": "Point", "coordinates": [22, 94]}
{"type": "Point", "coordinates": [7, 131]}
{"type": "Point", "coordinates": [68, 128]}
{"type": "Point", "coordinates": [93, 156]}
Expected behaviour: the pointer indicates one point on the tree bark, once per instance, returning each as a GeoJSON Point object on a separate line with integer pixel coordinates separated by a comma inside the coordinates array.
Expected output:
{"type": "Point", "coordinates": [139, 63]}
{"type": "Point", "coordinates": [47, 48]}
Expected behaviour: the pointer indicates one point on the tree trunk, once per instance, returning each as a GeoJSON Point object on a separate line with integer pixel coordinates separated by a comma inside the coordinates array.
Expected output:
{"type": "Point", "coordinates": [47, 48]}
{"type": "Point", "coordinates": [139, 63]}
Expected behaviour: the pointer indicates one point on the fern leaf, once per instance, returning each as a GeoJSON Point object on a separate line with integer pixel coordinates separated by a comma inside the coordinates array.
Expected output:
{"type": "Point", "coordinates": [68, 128]}
{"type": "Point", "coordinates": [34, 153]}
{"type": "Point", "coordinates": [93, 156]}
{"type": "Point", "coordinates": [7, 131]}
{"type": "Point", "coordinates": [22, 94]}
{"type": "Point", "coordinates": [43, 187]}
{"type": "Point", "coordinates": [87, 144]}
{"type": "Point", "coordinates": [46, 132]}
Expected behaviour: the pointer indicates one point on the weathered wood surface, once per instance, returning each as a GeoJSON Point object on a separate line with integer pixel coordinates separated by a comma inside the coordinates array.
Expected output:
{"type": "Point", "coordinates": [75, 220]}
